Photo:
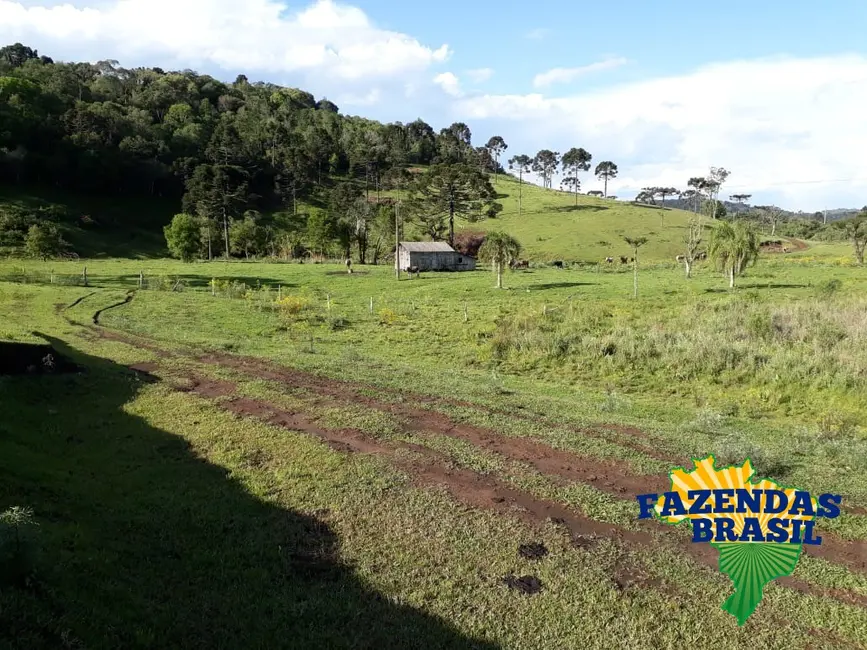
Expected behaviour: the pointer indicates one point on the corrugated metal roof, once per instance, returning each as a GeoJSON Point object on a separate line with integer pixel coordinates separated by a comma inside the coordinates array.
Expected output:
{"type": "Point", "coordinates": [427, 247]}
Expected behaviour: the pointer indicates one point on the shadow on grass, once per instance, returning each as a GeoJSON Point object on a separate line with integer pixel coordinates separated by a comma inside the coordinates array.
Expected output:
{"type": "Point", "coordinates": [142, 543]}
{"type": "Point", "coordinates": [562, 285]}
{"type": "Point", "coordinates": [758, 285]}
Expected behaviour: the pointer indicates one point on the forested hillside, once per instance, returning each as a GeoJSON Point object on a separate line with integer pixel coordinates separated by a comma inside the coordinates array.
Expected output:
{"type": "Point", "coordinates": [219, 150]}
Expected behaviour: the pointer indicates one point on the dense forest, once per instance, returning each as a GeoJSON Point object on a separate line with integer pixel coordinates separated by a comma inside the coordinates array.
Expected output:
{"type": "Point", "coordinates": [259, 168]}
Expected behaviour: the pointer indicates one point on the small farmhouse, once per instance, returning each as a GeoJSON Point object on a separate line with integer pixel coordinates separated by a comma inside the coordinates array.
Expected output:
{"type": "Point", "coordinates": [432, 256]}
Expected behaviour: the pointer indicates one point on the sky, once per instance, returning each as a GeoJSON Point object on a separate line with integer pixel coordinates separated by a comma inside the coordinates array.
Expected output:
{"type": "Point", "coordinates": [773, 91]}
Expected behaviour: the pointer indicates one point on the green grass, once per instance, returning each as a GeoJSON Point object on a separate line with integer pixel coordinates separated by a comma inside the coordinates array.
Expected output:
{"type": "Point", "coordinates": [165, 520]}
{"type": "Point", "coordinates": [551, 226]}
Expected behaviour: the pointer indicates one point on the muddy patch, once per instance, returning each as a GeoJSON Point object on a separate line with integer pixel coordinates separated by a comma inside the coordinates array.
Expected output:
{"type": "Point", "coordinates": [528, 585]}
{"type": "Point", "coordinates": [533, 551]}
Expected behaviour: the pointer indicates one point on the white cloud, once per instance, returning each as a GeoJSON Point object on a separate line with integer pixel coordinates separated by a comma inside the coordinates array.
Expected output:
{"type": "Point", "coordinates": [480, 75]}
{"type": "Point", "coordinates": [450, 84]}
{"type": "Point", "coordinates": [565, 75]}
{"type": "Point", "coordinates": [368, 99]}
{"type": "Point", "coordinates": [326, 38]}
{"type": "Point", "coordinates": [537, 33]}
{"type": "Point", "coordinates": [778, 124]}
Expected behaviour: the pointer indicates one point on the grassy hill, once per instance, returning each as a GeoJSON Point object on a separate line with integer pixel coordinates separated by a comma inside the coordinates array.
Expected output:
{"type": "Point", "coordinates": [552, 227]}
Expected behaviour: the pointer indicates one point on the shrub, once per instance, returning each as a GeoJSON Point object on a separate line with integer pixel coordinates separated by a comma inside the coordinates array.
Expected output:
{"type": "Point", "coordinates": [14, 224]}
{"type": "Point", "coordinates": [336, 323]}
{"type": "Point", "coordinates": [389, 316]}
{"type": "Point", "coordinates": [828, 288]}
{"type": "Point", "coordinates": [291, 305]}
{"type": "Point", "coordinates": [16, 546]}
{"type": "Point", "coordinates": [184, 237]}
{"type": "Point", "coordinates": [43, 241]}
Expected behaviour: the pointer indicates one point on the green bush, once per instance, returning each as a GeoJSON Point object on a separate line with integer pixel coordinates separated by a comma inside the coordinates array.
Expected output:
{"type": "Point", "coordinates": [828, 288]}
{"type": "Point", "coordinates": [17, 546]}
{"type": "Point", "coordinates": [184, 237]}
{"type": "Point", "coordinates": [43, 241]}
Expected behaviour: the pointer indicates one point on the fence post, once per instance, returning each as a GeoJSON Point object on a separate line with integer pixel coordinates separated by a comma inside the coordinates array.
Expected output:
{"type": "Point", "coordinates": [140, 279]}
{"type": "Point", "coordinates": [213, 286]}
{"type": "Point", "coordinates": [371, 304]}
{"type": "Point", "coordinates": [52, 276]}
{"type": "Point", "coordinates": [328, 301]}
{"type": "Point", "coordinates": [84, 275]}
{"type": "Point", "coordinates": [279, 292]}
{"type": "Point", "coordinates": [466, 314]}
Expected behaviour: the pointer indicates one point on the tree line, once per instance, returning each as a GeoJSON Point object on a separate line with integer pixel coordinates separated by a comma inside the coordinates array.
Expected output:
{"type": "Point", "coordinates": [260, 169]}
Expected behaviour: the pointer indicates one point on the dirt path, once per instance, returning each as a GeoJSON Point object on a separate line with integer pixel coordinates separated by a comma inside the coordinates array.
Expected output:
{"type": "Point", "coordinates": [433, 468]}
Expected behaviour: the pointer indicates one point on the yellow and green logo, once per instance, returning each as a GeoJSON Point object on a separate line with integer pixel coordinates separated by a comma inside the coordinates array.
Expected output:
{"type": "Point", "coordinates": [758, 526]}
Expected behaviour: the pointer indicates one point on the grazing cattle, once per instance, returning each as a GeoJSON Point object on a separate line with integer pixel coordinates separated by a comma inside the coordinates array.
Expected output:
{"type": "Point", "coordinates": [609, 260]}
{"type": "Point", "coordinates": [623, 260]}
{"type": "Point", "coordinates": [785, 250]}
{"type": "Point", "coordinates": [519, 264]}
{"type": "Point", "coordinates": [558, 263]}
{"type": "Point", "coordinates": [413, 270]}
{"type": "Point", "coordinates": [680, 259]}
{"type": "Point", "coordinates": [349, 266]}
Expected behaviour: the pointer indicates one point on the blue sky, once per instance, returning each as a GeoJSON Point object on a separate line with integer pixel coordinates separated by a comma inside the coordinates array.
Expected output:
{"type": "Point", "coordinates": [774, 91]}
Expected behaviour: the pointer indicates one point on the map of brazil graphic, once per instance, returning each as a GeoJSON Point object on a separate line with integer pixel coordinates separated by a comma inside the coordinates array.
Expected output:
{"type": "Point", "coordinates": [758, 526]}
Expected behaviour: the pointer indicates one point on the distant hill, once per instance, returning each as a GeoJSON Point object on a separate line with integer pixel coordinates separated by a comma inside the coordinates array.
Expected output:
{"type": "Point", "coordinates": [737, 208]}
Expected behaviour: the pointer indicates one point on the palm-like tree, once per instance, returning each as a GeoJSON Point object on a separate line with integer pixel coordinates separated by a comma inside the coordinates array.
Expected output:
{"type": "Point", "coordinates": [499, 249]}
{"type": "Point", "coordinates": [606, 170]}
{"type": "Point", "coordinates": [635, 243]}
{"type": "Point", "coordinates": [733, 247]}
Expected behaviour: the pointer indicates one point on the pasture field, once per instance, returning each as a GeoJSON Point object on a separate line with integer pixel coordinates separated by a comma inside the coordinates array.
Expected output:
{"type": "Point", "coordinates": [553, 225]}
{"type": "Point", "coordinates": [290, 452]}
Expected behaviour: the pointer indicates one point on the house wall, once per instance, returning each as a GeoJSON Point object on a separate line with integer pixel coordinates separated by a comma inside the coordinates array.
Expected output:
{"type": "Point", "coordinates": [436, 261]}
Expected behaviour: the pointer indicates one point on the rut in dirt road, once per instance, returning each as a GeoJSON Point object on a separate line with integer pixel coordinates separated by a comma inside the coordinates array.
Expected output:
{"type": "Point", "coordinates": [607, 475]}
{"type": "Point", "coordinates": [432, 468]}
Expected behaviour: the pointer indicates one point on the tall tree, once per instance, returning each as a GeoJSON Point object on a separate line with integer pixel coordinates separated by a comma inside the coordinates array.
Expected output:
{"type": "Point", "coordinates": [448, 191]}
{"type": "Point", "coordinates": [522, 164]}
{"type": "Point", "coordinates": [496, 146]}
{"type": "Point", "coordinates": [499, 249]}
{"type": "Point", "coordinates": [733, 247]}
{"type": "Point", "coordinates": [545, 165]}
{"type": "Point", "coordinates": [606, 170]}
{"type": "Point", "coordinates": [770, 215]}
{"type": "Point", "coordinates": [692, 241]}
{"type": "Point", "coordinates": [740, 199]}
{"type": "Point", "coordinates": [856, 230]}
{"type": "Point", "coordinates": [635, 243]}
{"type": "Point", "coordinates": [454, 143]}
{"type": "Point", "coordinates": [648, 194]}
{"type": "Point", "coordinates": [718, 176]}
{"type": "Point", "coordinates": [574, 161]}
{"type": "Point", "coordinates": [698, 185]}
{"type": "Point", "coordinates": [665, 191]}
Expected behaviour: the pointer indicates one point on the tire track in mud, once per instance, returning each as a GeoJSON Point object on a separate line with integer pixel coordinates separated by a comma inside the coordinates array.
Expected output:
{"type": "Point", "coordinates": [431, 468]}
{"type": "Point", "coordinates": [607, 475]}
